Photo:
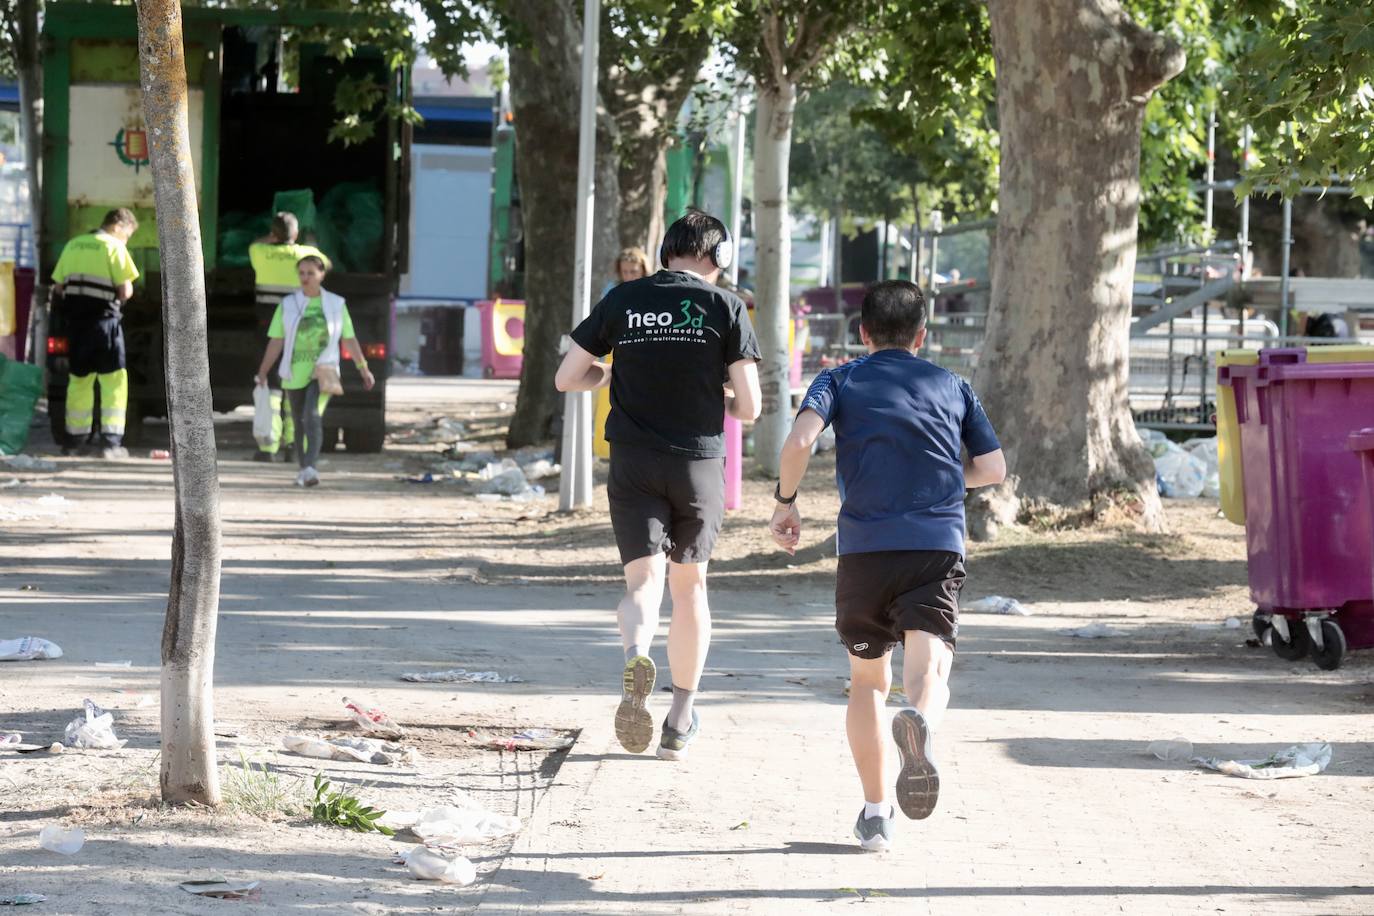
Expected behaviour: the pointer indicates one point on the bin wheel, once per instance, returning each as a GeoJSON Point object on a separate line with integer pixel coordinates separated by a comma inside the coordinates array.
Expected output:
{"type": "Point", "coordinates": [488, 372]}
{"type": "Point", "coordinates": [1298, 643]}
{"type": "Point", "coordinates": [1328, 657]}
{"type": "Point", "coordinates": [1259, 622]}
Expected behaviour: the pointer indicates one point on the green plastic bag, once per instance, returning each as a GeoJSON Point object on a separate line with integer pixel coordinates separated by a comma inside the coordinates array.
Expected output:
{"type": "Point", "coordinates": [20, 386]}
{"type": "Point", "coordinates": [301, 203]}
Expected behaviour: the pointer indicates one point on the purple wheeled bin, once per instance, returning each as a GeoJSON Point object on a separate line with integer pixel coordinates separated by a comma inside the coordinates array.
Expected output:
{"type": "Point", "coordinates": [1309, 529]}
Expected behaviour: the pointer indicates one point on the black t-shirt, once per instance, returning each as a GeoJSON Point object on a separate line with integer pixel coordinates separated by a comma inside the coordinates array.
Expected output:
{"type": "Point", "coordinates": [673, 337]}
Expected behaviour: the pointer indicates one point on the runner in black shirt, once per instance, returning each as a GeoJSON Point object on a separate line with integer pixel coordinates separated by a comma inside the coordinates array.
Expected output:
{"type": "Point", "coordinates": [677, 339]}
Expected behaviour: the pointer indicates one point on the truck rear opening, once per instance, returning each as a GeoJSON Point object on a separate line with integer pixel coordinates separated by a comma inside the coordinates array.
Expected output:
{"type": "Point", "coordinates": [263, 106]}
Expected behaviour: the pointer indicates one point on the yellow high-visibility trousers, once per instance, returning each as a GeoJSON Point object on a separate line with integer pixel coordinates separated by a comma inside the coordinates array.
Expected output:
{"type": "Point", "coordinates": [114, 402]}
{"type": "Point", "coordinates": [283, 426]}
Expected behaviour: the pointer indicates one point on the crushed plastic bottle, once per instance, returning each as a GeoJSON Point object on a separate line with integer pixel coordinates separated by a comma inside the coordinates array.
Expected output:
{"type": "Point", "coordinates": [996, 604]}
{"type": "Point", "coordinates": [1174, 751]}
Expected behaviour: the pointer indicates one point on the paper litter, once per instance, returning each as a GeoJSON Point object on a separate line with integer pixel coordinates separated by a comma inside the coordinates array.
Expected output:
{"type": "Point", "coordinates": [531, 739]}
{"type": "Point", "coordinates": [1298, 760]}
{"type": "Point", "coordinates": [996, 604]}
{"type": "Point", "coordinates": [27, 649]}
{"type": "Point", "coordinates": [429, 865]}
{"type": "Point", "coordinates": [360, 750]}
{"type": "Point", "coordinates": [460, 676]}
{"type": "Point", "coordinates": [219, 887]}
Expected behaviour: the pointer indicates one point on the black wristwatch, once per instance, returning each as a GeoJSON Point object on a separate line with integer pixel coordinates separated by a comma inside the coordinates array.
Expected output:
{"type": "Point", "coordinates": [777, 494]}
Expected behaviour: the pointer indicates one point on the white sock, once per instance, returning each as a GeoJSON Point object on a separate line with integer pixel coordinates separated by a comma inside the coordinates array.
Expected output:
{"type": "Point", "coordinates": [878, 809]}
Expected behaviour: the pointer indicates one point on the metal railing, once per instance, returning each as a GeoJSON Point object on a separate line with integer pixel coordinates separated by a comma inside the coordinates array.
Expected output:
{"type": "Point", "coordinates": [1172, 382]}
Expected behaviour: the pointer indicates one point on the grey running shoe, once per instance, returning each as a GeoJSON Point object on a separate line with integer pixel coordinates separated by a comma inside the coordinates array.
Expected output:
{"type": "Point", "coordinates": [634, 727]}
{"type": "Point", "coordinates": [874, 833]}
{"type": "Point", "coordinates": [918, 784]}
{"type": "Point", "coordinates": [114, 453]}
{"type": "Point", "coordinates": [673, 744]}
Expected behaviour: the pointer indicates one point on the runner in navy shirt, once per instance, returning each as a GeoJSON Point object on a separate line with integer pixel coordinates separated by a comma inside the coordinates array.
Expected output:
{"type": "Point", "coordinates": [910, 439]}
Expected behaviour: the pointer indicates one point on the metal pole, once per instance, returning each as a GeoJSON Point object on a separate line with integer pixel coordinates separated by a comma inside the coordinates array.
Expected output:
{"type": "Point", "coordinates": [576, 488]}
{"type": "Point", "coordinates": [737, 191]}
{"type": "Point", "coordinates": [1211, 173]}
{"type": "Point", "coordinates": [1283, 278]}
{"type": "Point", "coordinates": [1244, 213]}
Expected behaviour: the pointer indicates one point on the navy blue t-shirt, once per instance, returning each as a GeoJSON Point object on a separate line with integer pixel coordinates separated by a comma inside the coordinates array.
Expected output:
{"type": "Point", "coordinates": [901, 424]}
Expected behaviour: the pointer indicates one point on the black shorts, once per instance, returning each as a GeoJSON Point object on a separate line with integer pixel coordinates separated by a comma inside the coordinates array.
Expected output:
{"type": "Point", "coordinates": [96, 345]}
{"type": "Point", "coordinates": [879, 596]}
{"type": "Point", "coordinates": [663, 503]}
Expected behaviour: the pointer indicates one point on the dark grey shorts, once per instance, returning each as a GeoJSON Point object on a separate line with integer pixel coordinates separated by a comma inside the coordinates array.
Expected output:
{"type": "Point", "coordinates": [663, 503]}
{"type": "Point", "coordinates": [879, 596]}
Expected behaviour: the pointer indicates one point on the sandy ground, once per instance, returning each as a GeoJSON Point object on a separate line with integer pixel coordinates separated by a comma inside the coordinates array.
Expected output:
{"type": "Point", "coordinates": [1051, 803]}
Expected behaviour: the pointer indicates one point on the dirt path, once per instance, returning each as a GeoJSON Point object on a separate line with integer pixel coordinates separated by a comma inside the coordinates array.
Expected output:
{"type": "Point", "coordinates": [1052, 804]}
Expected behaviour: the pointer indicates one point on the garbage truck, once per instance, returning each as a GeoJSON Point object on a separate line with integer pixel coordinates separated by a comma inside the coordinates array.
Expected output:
{"type": "Point", "coordinates": [262, 86]}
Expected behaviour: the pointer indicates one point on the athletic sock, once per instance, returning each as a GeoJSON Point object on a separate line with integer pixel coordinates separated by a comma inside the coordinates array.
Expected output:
{"type": "Point", "coordinates": [635, 651]}
{"type": "Point", "coordinates": [879, 809]}
{"type": "Point", "coordinates": [680, 714]}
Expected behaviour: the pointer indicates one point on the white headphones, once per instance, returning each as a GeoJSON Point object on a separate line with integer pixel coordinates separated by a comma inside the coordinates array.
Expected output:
{"type": "Point", "coordinates": [723, 255]}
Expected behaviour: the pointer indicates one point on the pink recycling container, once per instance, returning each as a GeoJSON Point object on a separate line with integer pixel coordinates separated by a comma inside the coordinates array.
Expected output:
{"type": "Point", "coordinates": [503, 337]}
{"type": "Point", "coordinates": [1309, 528]}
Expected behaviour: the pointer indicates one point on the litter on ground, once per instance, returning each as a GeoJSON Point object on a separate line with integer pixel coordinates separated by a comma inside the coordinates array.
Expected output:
{"type": "Point", "coordinates": [94, 728]}
{"type": "Point", "coordinates": [28, 648]}
{"type": "Point", "coordinates": [219, 887]}
{"type": "Point", "coordinates": [1298, 760]}
{"type": "Point", "coordinates": [430, 865]}
{"type": "Point", "coordinates": [1097, 630]}
{"type": "Point", "coordinates": [373, 719]}
{"type": "Point", "coordinates": [21, 899]}
{"type": "Point", "coordinates": [460, 676]}
{"type": "Point", "coordinates": [531, 739]}
{"type": "Point", "coordinates": [27, 463]}
{"type": "Point", "coordinates": [60, 840]}
{"type": "Point", "coordinates": [1174, 751]}
{"type": "Point", "coordinates": [360, 750]}
{"type": "Point", "coordinates": [996, 604]}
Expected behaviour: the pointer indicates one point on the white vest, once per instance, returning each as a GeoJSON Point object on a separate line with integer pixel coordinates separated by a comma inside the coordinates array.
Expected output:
{"type": "Point", "coordinates": [293, 310]}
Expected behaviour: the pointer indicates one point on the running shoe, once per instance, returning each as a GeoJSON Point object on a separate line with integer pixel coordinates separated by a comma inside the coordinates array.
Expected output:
{"type": "Point", "coordinates": [114, 453]}
{"type": "Point", "coordinates": [874, 833]}
{"type": "Point", "coordinates": [673, 744]}
{"type": "Point", "coordinates": [311, 477]}
{"type": "Point", "coordinates": [265, 457]}
{"type": "Point", "coordinates": [918, 784]}
{"type": "Point", "coordinates": [634, 727]}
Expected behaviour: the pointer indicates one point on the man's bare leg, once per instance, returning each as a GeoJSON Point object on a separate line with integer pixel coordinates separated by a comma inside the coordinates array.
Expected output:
{"type": "Point", "coordinates": [638, 618]}
{"type": "Point", "coordinates": [638, 610]}
{"type": "Point", "coordinates": [689, 639]}
{"type": "Point", "coordinates": [870, 679]}
{"type": "Point", "coordinates": [925, 674]}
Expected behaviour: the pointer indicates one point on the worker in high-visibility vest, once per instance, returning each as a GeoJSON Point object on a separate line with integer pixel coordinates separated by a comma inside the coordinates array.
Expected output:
{"type": "Point", "coordinates": [95, 276]}
{"type": "Point", "coordinates": [274, 258]}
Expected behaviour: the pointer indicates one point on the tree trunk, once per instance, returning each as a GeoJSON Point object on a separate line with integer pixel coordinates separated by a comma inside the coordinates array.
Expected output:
{"type": "Point", "coordinates": [189, 771]}
{"type": "Point", "coordinates": [773, 267]}
{"type": "Point", "coordinates": [545, 76]}
{"type": "Point", "coordinates": [1053, 369]}
{"type": "Point", "coordinates": [643, 182]}
{"type": "Point", "coordinates": [30, 74]}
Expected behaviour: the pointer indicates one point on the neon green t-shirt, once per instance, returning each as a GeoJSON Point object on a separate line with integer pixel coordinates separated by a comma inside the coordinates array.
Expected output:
{"type": "Point", "coordinates": [96, 254]}
{"type": "Point", "coordinates": [312, 336]}
{"type": "Point", "coordinates": [275, 265]}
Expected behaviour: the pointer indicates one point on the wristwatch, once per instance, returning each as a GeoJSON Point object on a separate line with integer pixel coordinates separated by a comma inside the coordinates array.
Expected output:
{"type": "Point", "coordinates": [777, 495]}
